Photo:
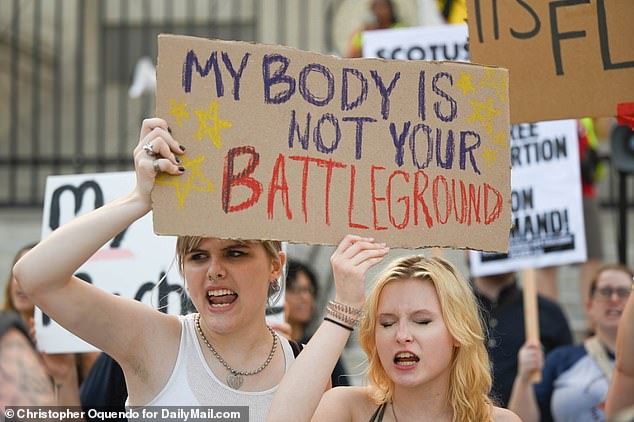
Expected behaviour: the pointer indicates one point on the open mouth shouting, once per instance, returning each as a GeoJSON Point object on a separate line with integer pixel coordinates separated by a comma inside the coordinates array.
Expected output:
{"type": "Point", "coordinates": [405, 360]}
{"type": "Point", "coordinates": [220, 299]}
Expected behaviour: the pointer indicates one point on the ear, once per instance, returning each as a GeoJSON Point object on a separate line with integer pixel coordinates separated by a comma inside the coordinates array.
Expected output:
{"type": "Point", "coordinates": [277, 265]}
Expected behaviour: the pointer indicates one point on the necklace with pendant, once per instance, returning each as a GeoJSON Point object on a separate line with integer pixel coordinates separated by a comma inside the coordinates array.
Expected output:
{"type": "Point", "coordinates": [235, 378]}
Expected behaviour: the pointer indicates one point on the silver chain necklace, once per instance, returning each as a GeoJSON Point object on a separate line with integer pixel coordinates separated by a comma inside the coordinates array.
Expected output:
{"type": "Point", "coordinates": [235, 377]}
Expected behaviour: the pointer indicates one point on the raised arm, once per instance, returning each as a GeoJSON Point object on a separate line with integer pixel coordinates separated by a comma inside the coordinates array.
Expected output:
{"type": "Point", "coordinates": [621, 392]}
{"type": "Point", "coordinates": [46, 272]}
{"type": "Point", "coordinates": [302, 387]}
{"type": "Point", "coordinates": [523, 401]}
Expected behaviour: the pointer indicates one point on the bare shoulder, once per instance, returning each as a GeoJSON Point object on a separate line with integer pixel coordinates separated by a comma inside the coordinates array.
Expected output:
{"type": "Point", "coordinates": [504, 415]}
{"type": "Point", "coordinates": [344, 404]}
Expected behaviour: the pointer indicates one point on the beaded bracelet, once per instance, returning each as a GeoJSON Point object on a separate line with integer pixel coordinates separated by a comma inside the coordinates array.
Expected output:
{"type": "Point", "coordinates": [339, 324]}
{"type": "Point", "coordinates": [347, 309]}
{"type": "Point", "coordinates": [340, 316]}
{"type": "Point", "coordinates": [343, 313]}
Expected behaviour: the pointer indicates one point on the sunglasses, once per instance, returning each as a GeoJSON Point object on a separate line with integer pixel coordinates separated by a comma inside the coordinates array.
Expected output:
{"type": "Point", "coordinates": [607, 292]}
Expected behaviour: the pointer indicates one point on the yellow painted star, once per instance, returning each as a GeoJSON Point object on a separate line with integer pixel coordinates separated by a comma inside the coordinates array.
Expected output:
{"type": "Point", "coordinates": [178, 109]}
{"type": "Point", "coordinates": [483, 112]}
{"type": "Point", "coordinates": [209, 124]}
{"type": "Point", "coordinates": [501, 138]}
{"type": "Point", "coordinates": [464, 83]}
{"type": "Point", "coordinates": [193, 180]}
{"type": "Point", "coordinates": [496, 80]}
{"type": "Point", "coordinates": [490, 156]}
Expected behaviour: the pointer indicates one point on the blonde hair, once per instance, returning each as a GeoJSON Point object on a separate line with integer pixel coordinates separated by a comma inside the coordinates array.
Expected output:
{"type": "Point", "coordinates": [470, 376]}
{"type": "Point", "coordinates": [186, 244]}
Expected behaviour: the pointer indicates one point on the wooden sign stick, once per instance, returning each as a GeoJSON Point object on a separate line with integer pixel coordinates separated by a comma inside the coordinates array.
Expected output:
{"type": "Point", "coordinates": [531, 315]}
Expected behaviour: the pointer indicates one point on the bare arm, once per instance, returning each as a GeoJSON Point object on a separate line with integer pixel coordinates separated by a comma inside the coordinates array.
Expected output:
{"type": "Point", "coordinates": [23, 378]}
{"type": "Point", "coordinates": [621, 392]}
{"type": "Point", "coordinates": [46, 272]}
{"type": "Point", "coordinates": [302, 387]}
{"type": "Point", "coordinates": [523, 401]}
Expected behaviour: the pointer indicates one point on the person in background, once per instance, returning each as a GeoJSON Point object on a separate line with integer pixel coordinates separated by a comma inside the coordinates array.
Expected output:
{"type": "Point", "coordinates": [575, 378]}
{"type": "Point", "coordinates": [24, 380]}
{"type": "Point", "coordinates": [502, 304]}
{"type": "Point", "coordinates": [65, 369]}
{"type": "Point", "coordinates": [421, 331]}
{"type": "Point", "coordinates": [14, 298]}
{"type": "Point", "coordinates": [299, 309]}
{"type": "Point", "coordinates": [384, 16]}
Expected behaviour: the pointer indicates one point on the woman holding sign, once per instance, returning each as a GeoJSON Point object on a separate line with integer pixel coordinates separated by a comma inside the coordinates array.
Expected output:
{"type": "Point", "coordinates": [223, 355]}
{"type": "Point", "coordinates": [425, 345]}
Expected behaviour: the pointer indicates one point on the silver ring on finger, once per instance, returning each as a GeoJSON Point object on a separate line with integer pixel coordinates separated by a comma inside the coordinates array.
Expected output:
{"type": "Point", "coordinates": [149, 150]}
{"type": "Point", "coordinates": [156, 167]}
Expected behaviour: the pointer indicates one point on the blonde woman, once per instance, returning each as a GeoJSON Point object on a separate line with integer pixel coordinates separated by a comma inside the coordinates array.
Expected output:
{"type": "Point", "coordinates": [424, 341]}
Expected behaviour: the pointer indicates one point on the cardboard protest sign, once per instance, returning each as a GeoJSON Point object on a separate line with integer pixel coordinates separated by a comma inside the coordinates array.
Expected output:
{"type": "Point", "coordinates": [566, 58]}
{"type": "Point", "coordinates": [445, 42]}
{"type": "Point", "coordinates": [548, 227]}
{"type": "Point", "coordinates": [283, 144]}
{"type": "Point", "coordinates": [130, 265]}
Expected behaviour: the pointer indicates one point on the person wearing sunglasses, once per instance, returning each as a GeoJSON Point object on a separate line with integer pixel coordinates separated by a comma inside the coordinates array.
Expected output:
{"type": "Point", "coordinates": [575, 379]}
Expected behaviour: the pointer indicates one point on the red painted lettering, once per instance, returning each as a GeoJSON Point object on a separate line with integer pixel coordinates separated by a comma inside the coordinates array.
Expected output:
{"type": "Point", "coordinates": [306, 160]}
{"type": "Point", "coordinates": [404, 199]}
{"type": "Point", "coordinates": [419, 197]}
{"type": "Point", "coordinates": [279, 170]}
{"type": "Point", "coordinates": [329, 165]}
{"type": "Point", "coordinates": [243, 178]}
{"type": "Point", "coordinates": [474, 203]}
{"type": "Point", "coordinates": [375, 198]}
{"type": "Point", "coordinates": [437, 181]}
{"type": "Point", "coordinates": [490, 217]}
{"type": "Point", "coordinates": [460, 218]}
{"type": "Point", "coordinates": [353, 180]}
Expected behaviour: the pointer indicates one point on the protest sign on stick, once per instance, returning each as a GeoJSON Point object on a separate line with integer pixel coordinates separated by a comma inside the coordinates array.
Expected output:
{"type": "Point", "coordinates": [289, 145]}
{"type": "Point", "coordinates": [546, 202]}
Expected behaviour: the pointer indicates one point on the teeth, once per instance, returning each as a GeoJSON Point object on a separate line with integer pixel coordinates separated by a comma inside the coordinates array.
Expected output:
{"type": "Point", "coordinates": [220, 292]}
{"type": "Point", "coordinates": [407, 363]}
{"type": "Point", "coordinates": [405, 355]}
{"type": "Point", "coordinates": [220, 305]}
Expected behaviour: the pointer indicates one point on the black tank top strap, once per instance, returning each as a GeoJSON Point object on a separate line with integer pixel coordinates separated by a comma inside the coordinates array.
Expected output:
{"type": "Point", "coordinates": [377, 416]}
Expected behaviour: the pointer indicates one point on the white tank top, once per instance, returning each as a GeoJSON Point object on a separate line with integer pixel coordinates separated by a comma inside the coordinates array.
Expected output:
{"type": "Point", "coordinates": [192, 383]}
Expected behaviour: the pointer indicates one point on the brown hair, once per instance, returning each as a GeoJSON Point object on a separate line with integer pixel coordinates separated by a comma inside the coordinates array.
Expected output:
{"type": "Point", "coordinates": [608, 267]}
{"type": "Point", "coordinates": [8, 301]}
